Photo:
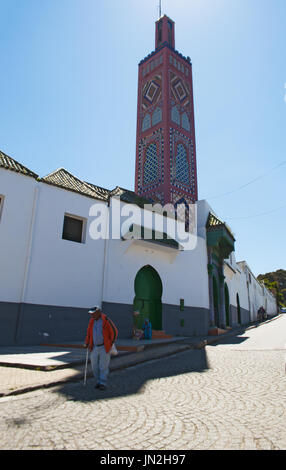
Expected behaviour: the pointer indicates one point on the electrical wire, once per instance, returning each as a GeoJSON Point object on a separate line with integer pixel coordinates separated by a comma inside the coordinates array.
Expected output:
{"type": "Point", "coordinates": [247, 184]}
{"type": "Point", "coordinates": [258, 215]}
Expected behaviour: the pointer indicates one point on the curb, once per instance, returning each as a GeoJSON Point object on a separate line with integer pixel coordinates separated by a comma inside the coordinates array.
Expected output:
{"type": "Point", "coordinates": [133, 359]}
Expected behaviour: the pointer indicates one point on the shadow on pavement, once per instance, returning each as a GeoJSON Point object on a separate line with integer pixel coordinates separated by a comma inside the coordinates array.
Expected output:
{"type": "Point", "coordinates": [132, 380]}
{"type": "Point", "coordinates": [230, 340]}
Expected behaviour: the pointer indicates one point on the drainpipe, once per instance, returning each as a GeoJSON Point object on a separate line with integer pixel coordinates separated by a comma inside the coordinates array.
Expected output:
{"type": "Point", "coordinates": [27, 264]}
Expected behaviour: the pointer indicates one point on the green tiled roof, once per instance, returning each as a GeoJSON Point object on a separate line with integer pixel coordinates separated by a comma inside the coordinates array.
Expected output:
{"type": "Point", "coordinates": [213, 222]}
{"type": "Point", "coordinates": [129, 196]}
{"type": "Point", "coordinates": [219, 236]}
{"type": "Point", "coordinates": [65, 180]}
{"type": "Point", "coordinates": [11, 164]}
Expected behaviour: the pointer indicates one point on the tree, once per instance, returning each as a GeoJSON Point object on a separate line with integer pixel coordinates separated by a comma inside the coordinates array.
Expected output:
{"type": "Point", "coordinates": [275, 289]}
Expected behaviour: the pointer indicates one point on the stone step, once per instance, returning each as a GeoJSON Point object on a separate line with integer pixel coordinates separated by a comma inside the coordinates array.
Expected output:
{"type": "Point", "coordinates": [160, 334]}
{"type": "Point", "coordinates": [216, 331]}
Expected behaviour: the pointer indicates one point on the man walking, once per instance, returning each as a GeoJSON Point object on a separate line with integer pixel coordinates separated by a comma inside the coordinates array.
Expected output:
{"type": "Point", "coordinates": [101, 335]}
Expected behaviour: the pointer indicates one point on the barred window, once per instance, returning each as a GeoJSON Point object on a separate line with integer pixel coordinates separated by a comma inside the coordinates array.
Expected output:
{"type": "Point", "coordinates": [73, 228]}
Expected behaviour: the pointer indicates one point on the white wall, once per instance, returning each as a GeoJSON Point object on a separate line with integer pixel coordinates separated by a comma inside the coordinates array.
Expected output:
{"type": "Point", "coordinates": [236, 282]}
{"type": "Point", "coordinates": [252, 294]}
{"type": "Point", "coordinates": [15, 224]}
{"type": "Point", "coordinates": [183, 273]}
{"type": "Point", "coordinates": [62, 272]}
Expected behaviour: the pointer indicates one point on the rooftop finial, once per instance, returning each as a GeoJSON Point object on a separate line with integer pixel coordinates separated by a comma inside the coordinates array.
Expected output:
{"type": "Point", "coordinates": [160, 8]}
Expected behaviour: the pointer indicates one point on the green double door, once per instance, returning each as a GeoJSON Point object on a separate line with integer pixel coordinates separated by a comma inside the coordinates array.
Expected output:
{"type": "Point", "coordinates": [148, 295]}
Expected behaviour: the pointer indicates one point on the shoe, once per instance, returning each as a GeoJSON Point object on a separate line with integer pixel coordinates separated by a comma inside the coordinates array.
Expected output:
{"type": "Point", "coordinates": [102, 387]}
{"type": "Point", "coordinates": [97, 386]}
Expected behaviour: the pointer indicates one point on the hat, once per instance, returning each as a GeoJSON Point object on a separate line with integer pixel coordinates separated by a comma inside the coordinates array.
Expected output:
{"type": "Point", "coordinates": [93, 309]}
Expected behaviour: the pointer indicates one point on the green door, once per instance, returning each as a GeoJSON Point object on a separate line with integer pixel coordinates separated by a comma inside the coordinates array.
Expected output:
{"type": "Point", "coordinates": [226, 300]}
{"type": "Point", "coordinates": [148, 295]}
{"type": "Point", "coordinates": [216, 302]}
{"type": "Point", "coordinates": [238, 309]}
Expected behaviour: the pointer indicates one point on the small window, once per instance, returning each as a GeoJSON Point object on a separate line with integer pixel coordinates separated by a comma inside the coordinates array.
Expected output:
{"type": "Point", "coordinates": [73, 229]}
{"type": "Point", "coordinates": [1, 204]}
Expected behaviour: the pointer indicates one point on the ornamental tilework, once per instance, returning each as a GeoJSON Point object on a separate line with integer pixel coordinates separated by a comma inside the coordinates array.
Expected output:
{"type": "Point", "coordinates": [180, 91]}
{"type": "Point", "coordinates": [156, 116]}
{"type": "Point", "coordinates": [183, 211]}
{"type": "Point", "coordinates": [146, 123]}
{"type": "Point", "coordinates": [151, 102]}
{"type": "Point", "coordinates": [151, 162]}
{"type": "Point", "coordinates": [182, 164]}
{"type": "Point", "coordinates": [175, 115]}
{"type": "Point", "coordinates": [185, 122]}
{"type": "Point", "coordinates": [180, 101]}
{"type": "Point", "coordinates": [151, 92]}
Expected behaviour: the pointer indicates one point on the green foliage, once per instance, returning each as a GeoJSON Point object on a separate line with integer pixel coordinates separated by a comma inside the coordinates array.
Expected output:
{"type": "Point", "coordinates": [276, 282]}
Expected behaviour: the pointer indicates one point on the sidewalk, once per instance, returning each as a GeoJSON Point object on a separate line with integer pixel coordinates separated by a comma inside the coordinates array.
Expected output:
{"type": "Point", "coordinates": [27, 368]}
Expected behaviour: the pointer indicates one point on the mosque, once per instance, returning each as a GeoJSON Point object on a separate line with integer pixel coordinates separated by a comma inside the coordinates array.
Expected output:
{"type": "Point", "coordinates": [68, 244]}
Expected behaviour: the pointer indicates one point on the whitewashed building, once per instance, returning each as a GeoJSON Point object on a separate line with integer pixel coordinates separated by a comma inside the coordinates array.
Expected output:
{"type": "Point", "coordinates": [53, 268]}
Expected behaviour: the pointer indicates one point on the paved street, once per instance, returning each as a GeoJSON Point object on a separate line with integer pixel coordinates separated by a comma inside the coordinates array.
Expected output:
{"type": "Point", "coordinates": [228, 396]}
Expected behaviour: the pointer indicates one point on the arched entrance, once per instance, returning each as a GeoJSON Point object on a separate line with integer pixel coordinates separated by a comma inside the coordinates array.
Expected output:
{"type": "Point", "coordinates": [148, 294]}
{"type": "Point", "coordinates": [226, 301]}
{"type": "Point", "coordinates": [238, 309]}
{"type": "Point", "coordinates": [216, 302]}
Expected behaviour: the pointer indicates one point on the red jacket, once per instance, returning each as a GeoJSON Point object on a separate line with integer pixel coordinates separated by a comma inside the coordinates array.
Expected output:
{"type": "Point", "coordinates": [109, 332]}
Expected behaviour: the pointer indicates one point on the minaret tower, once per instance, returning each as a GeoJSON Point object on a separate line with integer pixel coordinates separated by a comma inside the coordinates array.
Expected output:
{"type": "Point", "coordinates": [165, 145]}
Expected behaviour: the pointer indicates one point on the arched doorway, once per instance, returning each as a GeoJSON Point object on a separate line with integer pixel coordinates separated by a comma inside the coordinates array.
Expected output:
{"type": "Point", "coordinates": [226, 302]}
{"type": "Point", "coordinates": [216, 302]}
{"type": "Point", "coordinates": [238, 309]}
{"type": "Point", "coordinates": [148, 294]}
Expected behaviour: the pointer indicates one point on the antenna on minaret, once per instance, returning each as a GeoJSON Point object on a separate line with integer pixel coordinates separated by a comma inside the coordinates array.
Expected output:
{"type": "Point", "coordinates": [160, 8]}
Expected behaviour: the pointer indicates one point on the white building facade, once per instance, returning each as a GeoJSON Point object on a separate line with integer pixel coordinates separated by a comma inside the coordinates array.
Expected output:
{"type": "Point", "coordinates": [54, 264]}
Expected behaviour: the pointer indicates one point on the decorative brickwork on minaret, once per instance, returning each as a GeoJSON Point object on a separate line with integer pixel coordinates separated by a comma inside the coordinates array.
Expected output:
{"type": "Point", "coordinates": [165, 146]}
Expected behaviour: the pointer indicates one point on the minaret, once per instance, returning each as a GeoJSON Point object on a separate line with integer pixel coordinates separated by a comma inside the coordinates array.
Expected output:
{"type": "Point", "coordinates": [165, 145]}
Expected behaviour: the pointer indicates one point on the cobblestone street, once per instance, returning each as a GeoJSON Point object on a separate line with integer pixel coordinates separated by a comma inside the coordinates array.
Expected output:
{"type": "Point", "coordinates": [215, 398]}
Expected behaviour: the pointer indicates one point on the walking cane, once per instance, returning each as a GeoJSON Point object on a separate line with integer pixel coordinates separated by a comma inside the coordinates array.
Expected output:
{"type": "Point", "coordinates": [85, 371]}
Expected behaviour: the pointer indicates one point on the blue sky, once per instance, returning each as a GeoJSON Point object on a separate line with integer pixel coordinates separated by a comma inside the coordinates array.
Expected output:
{"type": "Point", "coordinates": [68, 87]}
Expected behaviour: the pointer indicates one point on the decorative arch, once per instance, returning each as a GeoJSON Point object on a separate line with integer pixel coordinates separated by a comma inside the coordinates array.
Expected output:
{"type": "Point", "coordinates": [226, 301]}
{"type": "Point", "coordinates": [156, 116]}
{"type": "Point", "coordinates": [185, 122]}
{"type": "Point", "coordinates": [175, 115]}
{"type": "Point", "coordinates": [182, 165]}
{"type": "Point", "coordinates": [238, 309]}
{"type": "Point", "coordinates": [216, 300]}
{"type": "Point", "coordinates": [146, 123]}
{"type": "Point", "coordinates": [148, 297]}
{"type": "Point", "coordinates": [151, 164]}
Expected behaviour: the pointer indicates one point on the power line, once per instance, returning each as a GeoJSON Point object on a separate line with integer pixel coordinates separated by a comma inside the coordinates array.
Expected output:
{"type": "Point", "coordinates": [247, 184]}
{"type": "Point", "coordinates": [258, 215]}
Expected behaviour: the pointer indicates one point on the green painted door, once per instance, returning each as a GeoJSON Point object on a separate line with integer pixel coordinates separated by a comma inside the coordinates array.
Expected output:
{"type": "Point", "coordinates": [238, 310]}
{"type": "Point", "coordinates": [216, 302]}
{"type": "Point", "coordinates": [226, 299]}
{"type": "Point", "coordinates": [148, 295]}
